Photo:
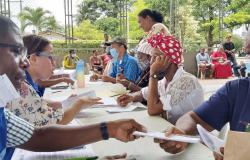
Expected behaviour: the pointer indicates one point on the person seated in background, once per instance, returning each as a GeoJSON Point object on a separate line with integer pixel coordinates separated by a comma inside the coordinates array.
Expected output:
{"type": "Point", "coordinates": [229, 104]}
{"type": "Point", "coordinates": [242, 52]}
{"type": "Point", "coordinates": [204, 63]}
{"type": "Point", "coordinates": [31, 107]}
{"type": "Point", "coordinates": [125, 66]}
{"type": "Point", "coordinates": [171, 92]}
{"type": "Point", "coordinates": [222, 66]}
{"type": "Point", "coordinates": [242, 69]}
{"type": "Point", "coordinates": [96, 63]}
{"type": "Point", "coordinates": [17, 133]}
{"type": "Point", "coordinates": [69, 61]}
{"type": "Point", "coordinates": [143, 54]}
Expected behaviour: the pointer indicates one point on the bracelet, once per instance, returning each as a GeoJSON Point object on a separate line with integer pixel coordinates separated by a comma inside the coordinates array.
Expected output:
{"type": "Point", "coordinates": [104, 131]}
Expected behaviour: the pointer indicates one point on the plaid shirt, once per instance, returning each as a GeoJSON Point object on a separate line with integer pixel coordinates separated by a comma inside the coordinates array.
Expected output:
{"type": "Point", "coordinates": [18, 130]}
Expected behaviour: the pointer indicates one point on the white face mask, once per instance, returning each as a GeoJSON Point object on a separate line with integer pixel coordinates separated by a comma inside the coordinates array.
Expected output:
{"type": "Point", "coordinates": [114, 53]}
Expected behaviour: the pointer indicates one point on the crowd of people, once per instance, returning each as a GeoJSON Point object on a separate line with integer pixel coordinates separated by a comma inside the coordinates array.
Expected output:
{"type": "Point", "coordinates": [155, 77]}
{"type": "Point", "coordinates": [222, 62]}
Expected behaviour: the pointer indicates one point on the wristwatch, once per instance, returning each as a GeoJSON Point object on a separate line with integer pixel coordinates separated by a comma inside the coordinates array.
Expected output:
{"type": "Point", "coordinates": [154, 76]}
{"type": "Point", "coordinates": [104, 131]}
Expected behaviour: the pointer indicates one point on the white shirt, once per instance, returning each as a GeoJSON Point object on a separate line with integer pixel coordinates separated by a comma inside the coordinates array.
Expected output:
{"type": "Point", "coordinates": [183, 94]}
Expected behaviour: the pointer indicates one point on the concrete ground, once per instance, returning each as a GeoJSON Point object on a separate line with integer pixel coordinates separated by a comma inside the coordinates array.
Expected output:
{"type": "Point", "coordinates": [210, 86]}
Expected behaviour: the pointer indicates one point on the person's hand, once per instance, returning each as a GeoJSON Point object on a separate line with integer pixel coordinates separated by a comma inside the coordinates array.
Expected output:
{"type": "Point", "coordinates": [160, 65]}
{"type": "Point", "coordinates": [124, 82]}
{"type": "Point", "coordinates": [68, 80]}
{"type": "Point", "coordinates": [218, 156]}
{"type": "Point", "coordinates": [105, 78]}
{"type": "Point", "coordinates": [124, 100]}
{"type": "Point", "coordinates": [88, 102]}
{"type": "Point", "coordinates": [94, 77]}
{"type": "Point", "coordinates": [120, 76]}
{"type": "Point", "coordinates": [55, 105]}
{"type": "Point", "coordinates": [123, 129]}
{"type": "Point", "coordinates": [172, 146]}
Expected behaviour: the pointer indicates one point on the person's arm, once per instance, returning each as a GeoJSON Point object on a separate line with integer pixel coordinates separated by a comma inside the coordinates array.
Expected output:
{"type": "Point", "coordinates": [198, 59]}
{"type": "Point", "coordinates": [125, 99]}
{"type": "Point", "coordinates": [52, 82]}
{"type": "Point", "coordinates": [155, 106]}
{"type": "Point", "coordinates": [55, 138]}
{"type": "Point", "coordinates": [79, 104]}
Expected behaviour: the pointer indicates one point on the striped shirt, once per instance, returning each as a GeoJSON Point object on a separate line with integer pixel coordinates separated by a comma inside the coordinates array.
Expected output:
{"type": "Point", "coordinates": [18, 130]}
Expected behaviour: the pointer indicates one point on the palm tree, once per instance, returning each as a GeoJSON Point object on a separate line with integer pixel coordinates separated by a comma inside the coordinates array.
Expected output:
{"type": "Point", "coordinates": [33, 17]}
{"type": "Point", "coordinates": [51, 24]}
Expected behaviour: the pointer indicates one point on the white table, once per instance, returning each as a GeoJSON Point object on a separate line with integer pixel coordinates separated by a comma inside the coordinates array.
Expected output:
{"type": "Point", "coordinates": [142, 149]}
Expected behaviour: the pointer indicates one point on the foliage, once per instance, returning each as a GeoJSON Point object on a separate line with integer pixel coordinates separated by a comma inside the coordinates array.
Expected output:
{"type": "Point", "coordinates": [38, 18]}
{"type": "Point", "coordinates": [88, 31]}
{"type": "Point", "coordinates": [108, 25]}
{"type": "Point", "coordinates": [96, 9]}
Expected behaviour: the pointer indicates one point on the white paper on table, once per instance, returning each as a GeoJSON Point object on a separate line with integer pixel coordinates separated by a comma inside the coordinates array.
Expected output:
{"type": "Point", "coordinates": [7, 91]}
{"type": "Point", "coordinates": [210, 140]}
{"type": "Point", "coordinates": [69, 101]}
{"type": "Point", "coordinates": [129, 108]}
{"type": "Point", "coordinates": [85, 151]}
{"type": "Point", "coordinates": [179, 138]}
{"type": "Point", "coordinates": [107, 101]}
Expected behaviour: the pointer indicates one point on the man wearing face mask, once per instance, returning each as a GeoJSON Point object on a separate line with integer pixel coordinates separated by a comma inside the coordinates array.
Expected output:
{"type": "Point", "coordinates": [125, 66]}
{"type": "Point", "coordinates": [70, 60]}
{"type": "Point", "coordinates": [171, 92]}
{"type": "Point", "coordinates": [143, 55]}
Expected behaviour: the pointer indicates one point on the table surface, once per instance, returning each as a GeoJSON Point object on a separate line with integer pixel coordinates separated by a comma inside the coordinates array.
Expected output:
{"type": "Point", "coordinates": [141, 149]}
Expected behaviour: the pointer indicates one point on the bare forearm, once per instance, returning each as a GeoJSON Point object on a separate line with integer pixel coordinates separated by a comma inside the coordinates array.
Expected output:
{"type": "Point", "coordinates": [137, 96]}
{"type": "Point", "coordinates": [133, 87]}
{"type": "Point", "coordinates": [154, 103]}
{"type": "Point", "coordinates": [188, 123]}
{"type": "Point", "coordinates": [70, 113]}
{"type": "Point", "coordinates": [50, 82]}
{"type": "Point", "coordinates": [54, 138]}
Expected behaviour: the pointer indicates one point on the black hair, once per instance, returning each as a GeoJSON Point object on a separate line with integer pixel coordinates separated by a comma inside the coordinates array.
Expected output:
{"type": "Point", "coordinates": [35, 43]}
{"type": "Point", "coordinates": [72, 51]}
{"type": "Point", "coordinates": [155, 15]}
{"type": "Point", "coordinates": [7, 26]}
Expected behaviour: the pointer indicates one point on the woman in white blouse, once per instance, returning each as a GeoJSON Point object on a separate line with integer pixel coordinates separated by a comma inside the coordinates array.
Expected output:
{"type": "Point", "coordinates": [171, 92]}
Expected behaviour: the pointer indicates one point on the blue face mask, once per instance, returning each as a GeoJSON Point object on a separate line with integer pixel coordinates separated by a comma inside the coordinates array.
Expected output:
{"type": "Point", "coordinates": [114, 53]}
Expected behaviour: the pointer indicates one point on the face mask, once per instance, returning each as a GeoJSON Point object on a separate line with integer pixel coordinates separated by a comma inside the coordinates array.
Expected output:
{"type": "Point", "coordinates": [114, 53]}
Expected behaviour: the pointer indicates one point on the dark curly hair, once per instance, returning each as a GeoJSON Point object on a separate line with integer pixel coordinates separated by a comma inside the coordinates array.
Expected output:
{"type": "Point", "coordinates": [155, 15]}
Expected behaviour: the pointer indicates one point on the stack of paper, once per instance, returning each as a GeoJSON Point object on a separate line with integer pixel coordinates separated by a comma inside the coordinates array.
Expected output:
{"type": "Point", "coordinates": [69, 101]}
{"type": "Point", "coordinates": [85, 151]}
{"type": "Point", "coordinates": [174, 137]}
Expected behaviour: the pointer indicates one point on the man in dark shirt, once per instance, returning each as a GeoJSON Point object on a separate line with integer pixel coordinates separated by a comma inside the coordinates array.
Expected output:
{"type": "Point", "coordinates": [230, 50]}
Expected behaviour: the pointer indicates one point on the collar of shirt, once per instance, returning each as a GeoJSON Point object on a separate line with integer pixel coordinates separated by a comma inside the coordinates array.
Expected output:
{"type": "Point", "coordinates": [31, 82]}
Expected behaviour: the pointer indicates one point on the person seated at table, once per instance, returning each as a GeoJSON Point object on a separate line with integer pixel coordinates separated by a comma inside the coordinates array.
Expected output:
{"type": "Point", "coordinates": [204, 63]}
{"type": "Point", "coordinates": [125, 66]}
{"type": "Point", "coordinates": [222, 66]}
{"type": "Point", "coordinates": [31, 107]}
{"type": "Point", "coordinates": [17, 133]}
{"type": "Point", "coordinates": [96, 63]}
{"type": "Point", "coordinates": [171, 92]}
{"type": "Point", "coordinates": [69, 61]}
{"type": "Point", "coordinates": [229, 104]}
{"type": "Point", "coordinates": [143, 54]}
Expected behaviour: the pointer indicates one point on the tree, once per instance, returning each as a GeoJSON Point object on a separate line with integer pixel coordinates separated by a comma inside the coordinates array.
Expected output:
{"type": "Point", "coordinates": [95, 9]}
{"type": "Point", "coordinates": [87, 31]}
{"type": "Point", "coordinates": [108, 25]}
{"type": "Point", "coordinates": [33, 17]}
{"type": "Point", "coordinates": [51, 24]}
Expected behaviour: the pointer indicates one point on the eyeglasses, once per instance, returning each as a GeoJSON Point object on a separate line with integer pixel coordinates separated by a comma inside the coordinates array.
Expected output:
{"type": "Point", "coordinates": [19, 51]}
{"type": "Point", "coordinates": [45, 54]}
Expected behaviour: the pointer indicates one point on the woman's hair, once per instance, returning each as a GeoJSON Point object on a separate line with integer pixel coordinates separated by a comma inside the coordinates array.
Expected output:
{"type": "Point", "coordinates": [155, 15]}
{"type": "Point", "coordinates": [35, 43]}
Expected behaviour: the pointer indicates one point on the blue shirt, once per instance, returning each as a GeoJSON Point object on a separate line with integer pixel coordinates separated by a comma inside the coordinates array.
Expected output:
{"type": "Point", "coordinates": [39, 90]}
{"type": "Point", "coordinates": [231, 103]}
{"type": "Point", "coordinates": [129, 67]}
{"type": "Point", "coordinates": [5, 153]}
